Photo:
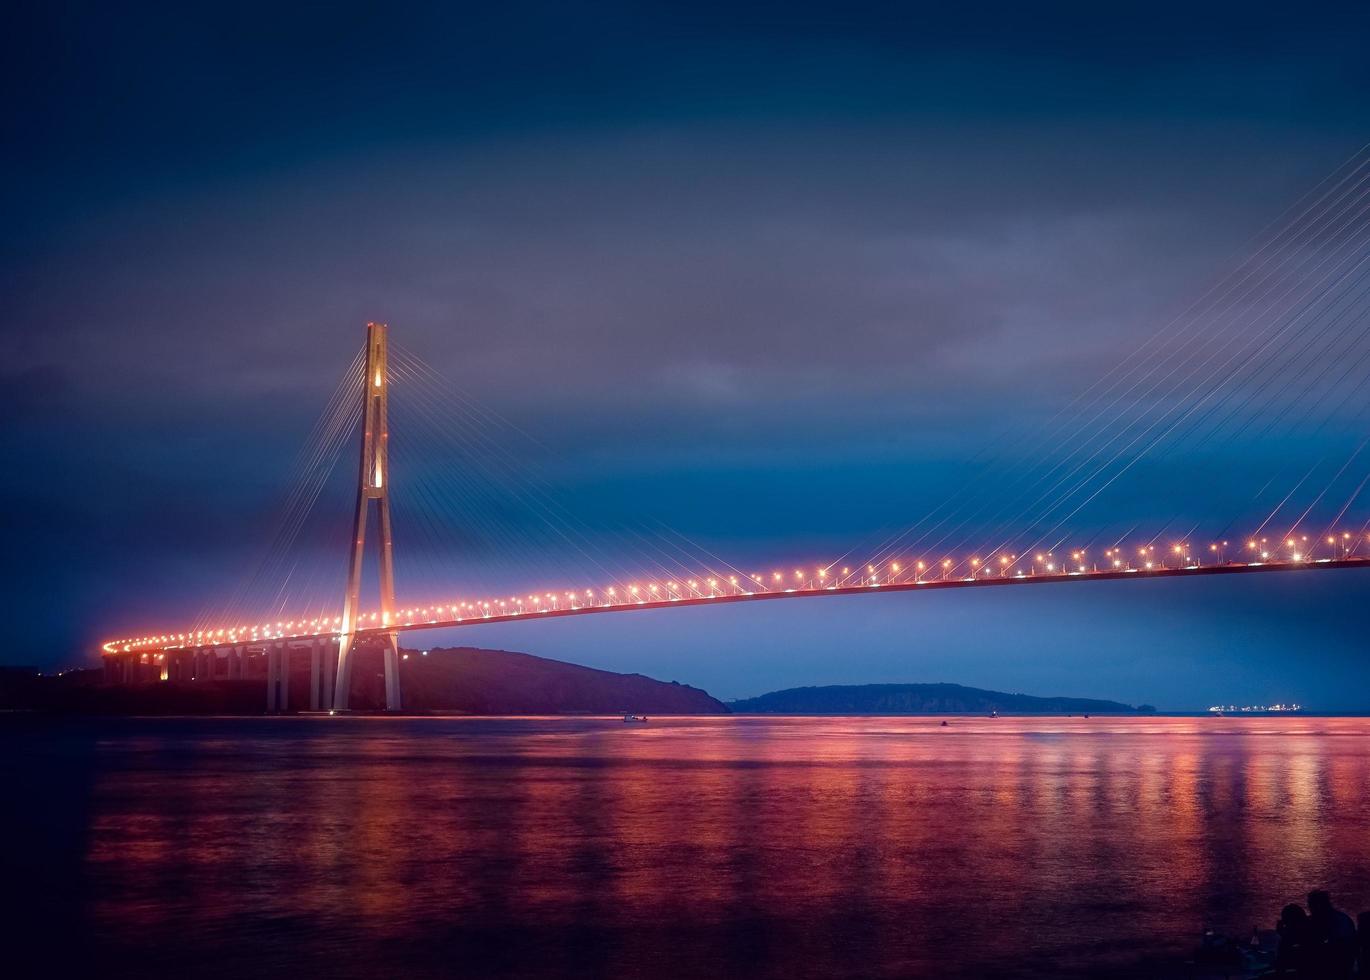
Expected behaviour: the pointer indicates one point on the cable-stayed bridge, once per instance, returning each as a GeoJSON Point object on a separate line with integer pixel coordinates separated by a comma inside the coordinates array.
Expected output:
{"type": "Point", "coordinates": [1275, 354]}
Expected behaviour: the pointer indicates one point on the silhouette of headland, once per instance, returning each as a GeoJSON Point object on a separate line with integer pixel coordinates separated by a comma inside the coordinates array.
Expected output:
{"type": "Point", "coordinates": [919, 699]}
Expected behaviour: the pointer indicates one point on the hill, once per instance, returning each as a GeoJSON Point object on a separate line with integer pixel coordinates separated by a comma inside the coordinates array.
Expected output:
{"type": "Point", "coordinates": [901, 699]}
{"type": "Point", "coordinates": [501, 682]}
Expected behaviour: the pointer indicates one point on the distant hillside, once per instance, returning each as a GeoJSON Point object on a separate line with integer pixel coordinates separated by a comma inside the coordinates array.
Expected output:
{"type": "Point", "coordinates": [920, 699]}
{"type": "Point", "coordinates": [498, 682]}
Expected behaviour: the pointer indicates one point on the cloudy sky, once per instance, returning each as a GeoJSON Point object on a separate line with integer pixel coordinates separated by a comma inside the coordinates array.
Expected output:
{"type": "Point", "coordinates": [784, 279]}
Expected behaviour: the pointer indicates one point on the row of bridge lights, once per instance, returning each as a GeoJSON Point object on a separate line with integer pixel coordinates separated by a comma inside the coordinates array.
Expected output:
{"type": "Point", "coordinates": [1258, 550]}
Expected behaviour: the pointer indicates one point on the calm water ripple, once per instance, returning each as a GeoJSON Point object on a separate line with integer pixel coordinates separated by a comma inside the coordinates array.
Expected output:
{"type": "Point", "coordinates": [778, 847]}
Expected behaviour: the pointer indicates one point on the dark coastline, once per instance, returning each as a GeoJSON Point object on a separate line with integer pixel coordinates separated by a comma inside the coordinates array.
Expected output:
{"type": "Point", "coordinates": [921, 699]}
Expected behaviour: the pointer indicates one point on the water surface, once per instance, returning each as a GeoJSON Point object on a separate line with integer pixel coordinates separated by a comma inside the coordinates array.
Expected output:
{"type": "Point", "coordinates": [764, 847]}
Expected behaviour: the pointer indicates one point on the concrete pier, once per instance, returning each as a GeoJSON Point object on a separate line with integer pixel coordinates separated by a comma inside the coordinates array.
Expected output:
{"type": "Point", "coordinates": [330, 671]}
{"type": "Point", "coordinates": [273, 660]}
{"type": "Point", "coordinates": [392, 673]}
{"type": "Point", "coordinates": [278, 677]}
{"type": "Point", "coordinates": [315, 673]}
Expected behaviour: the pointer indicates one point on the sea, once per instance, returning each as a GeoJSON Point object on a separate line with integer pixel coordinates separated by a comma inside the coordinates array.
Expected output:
{"type": "Point", "coordinates": [680, 847]}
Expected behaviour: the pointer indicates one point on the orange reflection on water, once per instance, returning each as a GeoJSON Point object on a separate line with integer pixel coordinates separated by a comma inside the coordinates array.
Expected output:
{"type": "Point", "coordinates": [777, 847]}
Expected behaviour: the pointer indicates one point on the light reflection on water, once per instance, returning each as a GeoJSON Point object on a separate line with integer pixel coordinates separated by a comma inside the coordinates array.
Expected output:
{"type": "Point", "coordinates": [686, 847]}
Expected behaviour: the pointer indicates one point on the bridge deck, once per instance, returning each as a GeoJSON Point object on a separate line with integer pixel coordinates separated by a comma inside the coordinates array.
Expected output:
{"type": "Point", "coordinates": [415, 622]}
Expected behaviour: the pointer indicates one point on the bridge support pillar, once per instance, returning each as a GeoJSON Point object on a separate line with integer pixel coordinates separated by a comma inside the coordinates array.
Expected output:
{"type": "Point", "coordinates": [392, 672]}
{"type": "Point", "coordinates": [330, 672]}
{"type": "Point", "coordinates": [343, 683]}
{"type": "Point", "coordinates": [278, 677]}
{"type": "Point", "coordinates": [273, 661]}
{"type": "Point", "coordinates": [315, 675]}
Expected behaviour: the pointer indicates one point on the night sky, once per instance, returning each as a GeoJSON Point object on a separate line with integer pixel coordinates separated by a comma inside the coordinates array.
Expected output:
{"type": "Point", "coordinates": [783, 278]}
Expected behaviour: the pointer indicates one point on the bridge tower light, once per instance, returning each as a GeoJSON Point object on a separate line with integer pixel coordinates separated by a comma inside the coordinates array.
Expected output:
{"type": "Point", "coordinates": [372, 484]}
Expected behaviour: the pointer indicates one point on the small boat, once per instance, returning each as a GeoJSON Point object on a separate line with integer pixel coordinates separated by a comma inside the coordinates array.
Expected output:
{"type": "Point", "coordinates": [994, 714]}
{"type": "Point", "coordinates": [630, 718]}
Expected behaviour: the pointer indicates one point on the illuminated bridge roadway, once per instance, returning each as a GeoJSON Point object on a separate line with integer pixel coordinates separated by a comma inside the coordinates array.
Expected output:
{"type": "Point", "coordinates": [264, 650]}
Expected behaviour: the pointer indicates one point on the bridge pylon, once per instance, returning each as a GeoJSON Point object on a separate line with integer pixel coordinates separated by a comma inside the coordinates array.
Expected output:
{"type": "Point", "coordinates": [373, 483]}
